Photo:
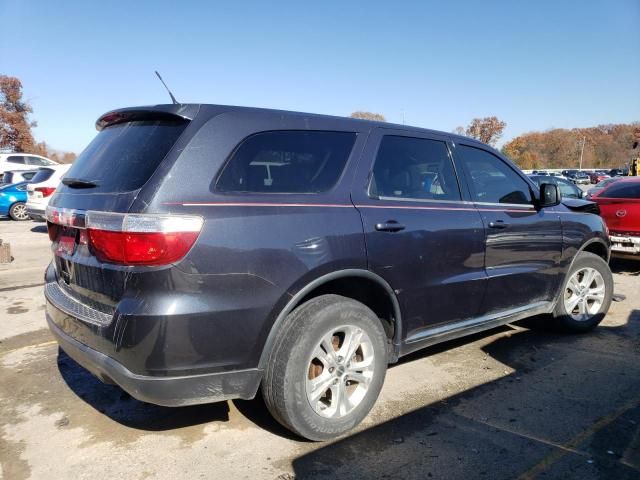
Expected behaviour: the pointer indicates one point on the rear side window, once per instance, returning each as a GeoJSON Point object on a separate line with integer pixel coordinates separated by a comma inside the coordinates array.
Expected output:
{"type": "Point", "coordinates": [287, 161]}
{"type": "Point", "coordinates": [622, 190]}
{"type": "Point", "coordinates": [42, 175]}
{"type": "Point", "coordinates": [414, 168]}
{"type": "Point", "coordinates": [36, 161]}
{"type": "Point", "coordinates": [122, 157]}
{"type": "Point", "coordinates": [28, 175]}
{"type": "Point", "coordinates": [16, 159]}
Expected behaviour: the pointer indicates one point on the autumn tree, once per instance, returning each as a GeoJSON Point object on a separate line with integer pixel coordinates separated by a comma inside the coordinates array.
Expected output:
{"type": "Point", "coordinates": [15, 127]}
{"type": "Point", "coordinates": [369, 116]}
{"type": "Point", "coordinates": [488, 130]}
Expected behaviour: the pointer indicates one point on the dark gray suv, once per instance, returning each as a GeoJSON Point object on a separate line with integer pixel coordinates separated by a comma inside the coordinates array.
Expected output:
{"type": "Point", "coordinates": [201, 252]}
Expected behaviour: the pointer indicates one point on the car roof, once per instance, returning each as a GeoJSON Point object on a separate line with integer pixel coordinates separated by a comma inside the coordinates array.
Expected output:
{"type": "Point", "coordinates": [189, 111]}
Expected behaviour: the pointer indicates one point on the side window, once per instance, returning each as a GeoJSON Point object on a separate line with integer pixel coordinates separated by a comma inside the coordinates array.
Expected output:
{"type": "Point", "coordinates": [16, 159]}
{"type": "Point", "coordinates": [36, 161]}
{"type": "Point", "coordinates": [492, 180]}
{"type": "Point", "coordinates": [287, 161]}
{"type": "Point", "coordinates": [414, 168]}
{"type": "Point", "coordinates": [28, 175]}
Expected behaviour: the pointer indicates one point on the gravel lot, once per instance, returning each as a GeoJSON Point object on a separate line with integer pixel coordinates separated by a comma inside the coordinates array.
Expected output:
{"type": "Point", "coordinates": [513, 402]}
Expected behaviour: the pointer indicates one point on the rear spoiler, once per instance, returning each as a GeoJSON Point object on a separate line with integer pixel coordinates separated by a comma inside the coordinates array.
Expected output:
{"type": "Point", "coordinates": [158, 112]}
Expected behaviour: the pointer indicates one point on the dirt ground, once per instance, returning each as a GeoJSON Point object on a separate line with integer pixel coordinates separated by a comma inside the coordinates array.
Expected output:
{"type": "Point", "coordinates": [510, 403]}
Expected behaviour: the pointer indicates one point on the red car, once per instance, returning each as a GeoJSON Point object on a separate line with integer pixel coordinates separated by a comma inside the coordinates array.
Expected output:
{"type": "Point", "coordinates": [597, 177]}
{"type": "Point", "coordinates": [620, 208]}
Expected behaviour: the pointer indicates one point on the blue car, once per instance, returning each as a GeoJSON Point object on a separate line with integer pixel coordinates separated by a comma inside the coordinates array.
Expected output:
{"type": "Point", "coordinates": [12, 201]}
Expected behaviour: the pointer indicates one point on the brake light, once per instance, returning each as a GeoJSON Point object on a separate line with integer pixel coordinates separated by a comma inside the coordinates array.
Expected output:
{"type": "Point", "coordinates": [132, 239]}
{"type": "Point", "coordinates": [46, 191]}
{"type": "Point", "coordinates": [129, 239]}
{"type": "Point", "coordinates": [140, 248]}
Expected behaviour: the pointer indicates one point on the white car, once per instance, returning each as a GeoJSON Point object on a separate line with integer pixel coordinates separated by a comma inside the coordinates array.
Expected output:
{"type": "Point", "coordinates": [41, 188]}
{"type": "Point", "coordinates": [23, 161]}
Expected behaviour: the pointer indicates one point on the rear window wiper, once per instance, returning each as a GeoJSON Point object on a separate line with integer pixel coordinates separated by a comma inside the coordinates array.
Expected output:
{"type": "Point", "coordinates": [79, 183]}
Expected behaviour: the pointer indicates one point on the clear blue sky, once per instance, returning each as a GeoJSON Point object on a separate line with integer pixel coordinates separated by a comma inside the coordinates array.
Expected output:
{"type": "Point", "coordinates": [536, 65]}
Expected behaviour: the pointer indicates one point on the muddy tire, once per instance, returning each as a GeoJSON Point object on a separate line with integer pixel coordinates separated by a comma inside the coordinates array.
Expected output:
{"type": "Point", "coordinates": [327, 367]}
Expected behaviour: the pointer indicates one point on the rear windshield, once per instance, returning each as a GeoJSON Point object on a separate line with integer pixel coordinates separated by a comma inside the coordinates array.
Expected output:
{"type": "Point", "coordinates": [122, 157]}
{"type": "Point", "coordinates": [42, 175]}
{"type": "Point", "coordinates": [623, 190]}
{"type": "Point", "coordinates": [287, 161]}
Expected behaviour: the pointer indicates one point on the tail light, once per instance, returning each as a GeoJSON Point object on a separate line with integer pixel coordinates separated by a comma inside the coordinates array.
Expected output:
{"type": "Point", "coordinates": [46, 191]}
{"type": "Point", "coordinates": [131, 239]}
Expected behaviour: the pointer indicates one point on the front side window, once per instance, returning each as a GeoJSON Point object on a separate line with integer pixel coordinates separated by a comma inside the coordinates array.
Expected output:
{"type": "Point", "coordinates": [492, 180]}
{"type": "Point", "coordinates": [287, 161]}
{"type": "Point", "coordinates": [414, 168]}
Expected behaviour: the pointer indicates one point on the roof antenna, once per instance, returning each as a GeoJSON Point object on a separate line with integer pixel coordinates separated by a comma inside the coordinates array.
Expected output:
{"type": "Point", "coordinates": [173, 99]}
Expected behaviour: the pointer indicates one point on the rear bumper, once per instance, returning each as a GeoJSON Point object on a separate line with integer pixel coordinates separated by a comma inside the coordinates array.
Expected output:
{"type": "Point", "coordinates": [625, 245]}
{"type": "Point", "coordinates": [166, 391]}
{"type": "Point", "coordinates": [36, 212]}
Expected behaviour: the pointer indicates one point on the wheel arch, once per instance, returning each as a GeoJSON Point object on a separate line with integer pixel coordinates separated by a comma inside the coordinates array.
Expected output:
{"type": "Point", "coordinates": [361, 285]}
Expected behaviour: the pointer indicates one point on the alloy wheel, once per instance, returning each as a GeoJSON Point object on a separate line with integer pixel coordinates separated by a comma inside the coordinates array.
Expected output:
{"type": "Point", "coordinates": [339, 371]}
{"type": "Point", "coordinates": [584, 294]}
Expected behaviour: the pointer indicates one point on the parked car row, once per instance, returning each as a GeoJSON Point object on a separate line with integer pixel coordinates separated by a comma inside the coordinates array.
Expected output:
{"type": "Point", "coordinates": [26, 185]}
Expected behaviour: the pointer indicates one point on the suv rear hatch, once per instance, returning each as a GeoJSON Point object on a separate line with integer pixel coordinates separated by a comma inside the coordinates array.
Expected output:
{"type": "Point", "coordinates": [98, 245]}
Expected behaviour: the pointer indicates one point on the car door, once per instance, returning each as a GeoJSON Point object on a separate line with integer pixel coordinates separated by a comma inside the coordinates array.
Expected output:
{"type": "Point", "coordinates": [523, 242]}
{"type": "Point", "coordinates": [421, 237]}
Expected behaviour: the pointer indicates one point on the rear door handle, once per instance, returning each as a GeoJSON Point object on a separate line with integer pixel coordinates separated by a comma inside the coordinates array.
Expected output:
{"type": "Point", "coordinates": [498, 224]}
{"type": "Point", "coordinates": [389, 226]}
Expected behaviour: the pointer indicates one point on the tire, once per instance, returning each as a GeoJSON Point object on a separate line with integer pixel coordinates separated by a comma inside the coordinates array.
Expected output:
{"type": "Point", "coordinates": [298, 362]}
{"type": "Point", "coordinates": [593, 295]}
{"type": "Point", "coordinates": [18, 212]}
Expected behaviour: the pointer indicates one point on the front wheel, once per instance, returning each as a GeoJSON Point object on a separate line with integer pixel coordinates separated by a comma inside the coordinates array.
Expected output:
{"type": "Point", "coordinates": [586, 294]}
{"type": "Point", "coordinates": [327, 367]}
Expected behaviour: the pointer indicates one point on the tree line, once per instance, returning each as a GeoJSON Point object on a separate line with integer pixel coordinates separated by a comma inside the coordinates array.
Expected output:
{"type": "Point", "coordinates": [605, 146]}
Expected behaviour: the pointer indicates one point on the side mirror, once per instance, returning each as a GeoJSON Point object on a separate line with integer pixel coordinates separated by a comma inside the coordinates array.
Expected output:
{"type": "Point", "coordinates": [549, 195]}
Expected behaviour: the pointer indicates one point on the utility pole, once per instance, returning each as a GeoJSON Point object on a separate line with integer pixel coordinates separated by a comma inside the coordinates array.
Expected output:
{"type": "Point", "coordinates": [584, 138]}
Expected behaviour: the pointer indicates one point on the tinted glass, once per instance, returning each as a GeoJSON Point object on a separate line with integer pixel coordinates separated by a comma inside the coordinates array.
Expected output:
{"type": "Point", "coordinates": [16, 159]}
{"type": "Point", "coordinates": [123, 157]}
{"type": "Point", "coordinates": [622, 190]}
{"type": "Point", "coordinates": [287, 161]}
{"type": "Point", "coordinates": [7, 177]}
{"type": "Point", "coordinates": [42, 175]}
{"type": "Point", "coordinates": [491, 179]}
{"type": "Point", "coordinates": [414, 168]}
{"type": "Point", "coordinates": [28, 175]}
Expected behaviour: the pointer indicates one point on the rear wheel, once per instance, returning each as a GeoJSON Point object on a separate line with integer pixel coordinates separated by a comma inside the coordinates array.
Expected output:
{"type": "Point", "coordinates": [586, 294]}
{"type": "Point", "coordinates": [327, 368]}
{"type": "Point", "coordinates": [18, 211]}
